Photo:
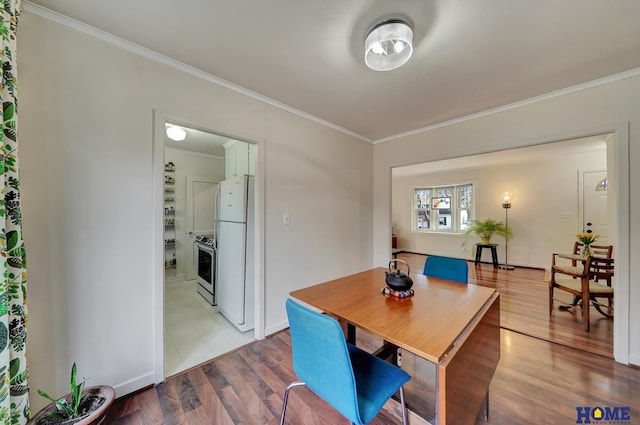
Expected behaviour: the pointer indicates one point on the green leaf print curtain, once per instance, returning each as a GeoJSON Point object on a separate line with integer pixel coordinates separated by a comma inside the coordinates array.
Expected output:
{"type": "Point", "coordinates": [14, 391]}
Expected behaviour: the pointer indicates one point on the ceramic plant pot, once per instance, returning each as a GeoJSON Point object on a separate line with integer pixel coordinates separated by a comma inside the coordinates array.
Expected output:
{"type": "Point", "coordinates": [95, 405]}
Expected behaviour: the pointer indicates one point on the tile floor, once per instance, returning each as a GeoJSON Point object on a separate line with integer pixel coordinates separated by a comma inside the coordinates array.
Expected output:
{"type": "Point", "coordinates": [194, 331]}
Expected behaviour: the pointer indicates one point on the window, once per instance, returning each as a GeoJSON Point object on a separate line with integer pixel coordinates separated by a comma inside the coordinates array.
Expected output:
{"type": "Point", "coordinates": [447, 209]}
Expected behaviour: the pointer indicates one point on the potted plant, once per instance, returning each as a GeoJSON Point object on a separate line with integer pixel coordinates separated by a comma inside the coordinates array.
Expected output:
{"type": "Point", "coordinates": [486, 228]}
{"type": "Point", "coordinates": [82, 406]}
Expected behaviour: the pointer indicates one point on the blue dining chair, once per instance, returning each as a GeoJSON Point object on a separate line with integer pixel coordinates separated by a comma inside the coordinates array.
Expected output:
{"type": "Point", "coordinates": [447, 268]}
{"type": "Point", "coordinates": [355, 383]}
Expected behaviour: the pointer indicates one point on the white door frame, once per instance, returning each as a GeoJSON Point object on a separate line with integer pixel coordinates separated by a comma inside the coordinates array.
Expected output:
{"type": "Point", "coordinates": [157, 175]}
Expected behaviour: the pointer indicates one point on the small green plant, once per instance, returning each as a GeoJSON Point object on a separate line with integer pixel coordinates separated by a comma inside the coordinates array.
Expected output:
{"type": "Point", "coordinates": [64, 408]}
{"type": "Point", "coordinates": [487, 228]}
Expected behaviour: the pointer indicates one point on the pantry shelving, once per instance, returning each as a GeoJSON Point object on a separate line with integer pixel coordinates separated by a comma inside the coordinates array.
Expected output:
{"type": "Point", "coordinates": [169, 217]}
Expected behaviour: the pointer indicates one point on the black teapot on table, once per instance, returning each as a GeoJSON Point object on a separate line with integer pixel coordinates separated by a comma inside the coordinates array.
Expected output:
{"type": "Point", "coordinates": [397, 280]}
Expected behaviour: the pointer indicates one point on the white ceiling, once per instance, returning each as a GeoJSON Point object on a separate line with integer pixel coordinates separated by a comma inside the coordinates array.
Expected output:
{"type": "Point", "coordinates": [198, 141]}
{"type": "Point", "coordinates": [307, 56]}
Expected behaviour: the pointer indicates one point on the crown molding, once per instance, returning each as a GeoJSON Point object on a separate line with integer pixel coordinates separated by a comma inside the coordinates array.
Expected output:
{"type": "Point", "coordinates": [158, 57]}
{"type": "Point", "coordinates": [557, 93]}
{"type": "Point", "coordinates": [137, 49]}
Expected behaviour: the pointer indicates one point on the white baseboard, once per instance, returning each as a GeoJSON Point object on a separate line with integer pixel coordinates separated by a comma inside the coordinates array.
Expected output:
{"type": "Point", "coordinates": [276, 328]}
{"type": "Point", "coordinates": [134, 384]}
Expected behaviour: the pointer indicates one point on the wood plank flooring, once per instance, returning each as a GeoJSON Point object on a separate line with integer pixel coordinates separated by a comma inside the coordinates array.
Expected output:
{"type": "Point", "coordinates": [536, 381]}
{"type": "Point", "coordinates": [525, 309]}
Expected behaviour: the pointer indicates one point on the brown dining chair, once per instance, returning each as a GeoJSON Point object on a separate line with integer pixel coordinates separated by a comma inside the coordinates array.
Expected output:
{"type": "Point", "coordinates": [602, 270]}
{"type": "Point", "coordinates": [596, 250]}
{"type": "Point", "coordinates": [604, 251]}
{"type": "Point", "coordinates": [584, 282]}
{"type": "Point", "coordinates": [573, 269]}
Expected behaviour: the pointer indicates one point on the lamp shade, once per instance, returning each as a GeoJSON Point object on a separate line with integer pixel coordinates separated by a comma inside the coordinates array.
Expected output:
{"type": "Point", "coordinates": [507, 197]}
{"type": "Point", "coordinates": [176, 133]}
{"type": "Point", "coordinates": [388, 45]}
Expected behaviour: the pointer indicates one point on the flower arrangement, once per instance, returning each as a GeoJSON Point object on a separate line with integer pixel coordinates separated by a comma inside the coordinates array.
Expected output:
{"type": "Point", "coordinates": [587, 239]}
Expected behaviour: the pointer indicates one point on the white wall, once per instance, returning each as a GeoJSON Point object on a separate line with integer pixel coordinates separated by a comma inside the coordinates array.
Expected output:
{"type": "Point", "coordinates": [86, 148]}
{"type": "Point", "coordinates": [542, 189]}
{"type": "Point", "coordinates": [85, 130]}
{"type": "Point", "coordinates": [614, 106]}
{"type": "Point", "coordinates": [196, 164]}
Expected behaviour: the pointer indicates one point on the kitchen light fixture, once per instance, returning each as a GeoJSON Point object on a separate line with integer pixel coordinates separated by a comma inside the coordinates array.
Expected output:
{"type": "Point", "coordinates": [176, 133]}
{"type": "Point", "coordinates": [388, 45]}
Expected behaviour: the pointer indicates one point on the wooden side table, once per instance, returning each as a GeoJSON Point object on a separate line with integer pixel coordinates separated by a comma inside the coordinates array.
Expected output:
{"type": "Point", "coordinates": [494, 252]}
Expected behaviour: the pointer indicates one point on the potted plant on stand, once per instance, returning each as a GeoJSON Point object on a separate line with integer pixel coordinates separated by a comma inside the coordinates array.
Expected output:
{"type": "Point", "coordinates": [486, 228]}
{"type": "Point", "coordinates": [82, 406]}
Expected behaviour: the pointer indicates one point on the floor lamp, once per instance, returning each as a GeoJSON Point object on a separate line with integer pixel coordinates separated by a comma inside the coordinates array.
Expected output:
{"type": "Point", "coordinates": [506, 204]}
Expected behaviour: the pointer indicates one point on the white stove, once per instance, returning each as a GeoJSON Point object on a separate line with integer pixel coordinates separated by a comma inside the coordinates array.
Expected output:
{"type": "Point", "coordinates": [206, 278]}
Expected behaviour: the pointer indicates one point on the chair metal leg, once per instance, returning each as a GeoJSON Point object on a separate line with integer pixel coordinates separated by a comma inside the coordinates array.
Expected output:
{"type": "Point", "coordinates": [585, 310]}
{"type": "Point", "coordinates": [286, 397]}
{"type": "Point", "coordinates": [403, 407]}
{"type": "Point", "coordinates": [599, 306]}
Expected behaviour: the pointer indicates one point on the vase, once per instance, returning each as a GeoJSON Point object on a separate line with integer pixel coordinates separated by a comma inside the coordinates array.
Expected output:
{"type": "Point", "coordinates": [586, 251]}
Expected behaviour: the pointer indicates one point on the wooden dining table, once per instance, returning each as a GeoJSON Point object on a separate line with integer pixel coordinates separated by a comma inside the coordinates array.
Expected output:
{"type": "Point", "coordinates": [455, 326]}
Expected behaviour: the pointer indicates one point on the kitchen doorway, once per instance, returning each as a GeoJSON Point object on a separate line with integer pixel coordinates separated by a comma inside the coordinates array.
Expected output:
{"type": "Point", "coordinates": [190, 330]}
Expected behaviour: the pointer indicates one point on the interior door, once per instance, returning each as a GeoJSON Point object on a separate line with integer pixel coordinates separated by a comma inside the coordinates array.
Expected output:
{"type": "Point", "coordinates": [200, 217]}
{"type": "Point", "coordinates": [595, 216]}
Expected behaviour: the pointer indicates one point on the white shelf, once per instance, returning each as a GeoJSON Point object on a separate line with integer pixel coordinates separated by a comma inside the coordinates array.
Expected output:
{"type": "Point", "coordinates": [170, 262]}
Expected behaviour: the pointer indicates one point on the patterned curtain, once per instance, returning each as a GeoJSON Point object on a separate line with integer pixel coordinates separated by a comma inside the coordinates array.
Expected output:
{"type": "Point", "coordinates": [14, 390]}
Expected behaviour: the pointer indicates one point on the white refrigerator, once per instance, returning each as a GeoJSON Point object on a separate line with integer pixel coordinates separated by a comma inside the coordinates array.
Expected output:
{"type": "Point", "coordinates": [235, 256]}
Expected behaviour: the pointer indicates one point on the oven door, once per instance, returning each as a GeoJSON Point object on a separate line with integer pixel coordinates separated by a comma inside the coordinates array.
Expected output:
{"type": "Point", "coordinates": [206, 273]}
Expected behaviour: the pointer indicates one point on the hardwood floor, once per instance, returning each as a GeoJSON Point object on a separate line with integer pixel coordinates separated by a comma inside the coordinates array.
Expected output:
{"type": "Point", "coordinates": [525, 309]}
{"type": "Point", "coordinates": [536, 381]}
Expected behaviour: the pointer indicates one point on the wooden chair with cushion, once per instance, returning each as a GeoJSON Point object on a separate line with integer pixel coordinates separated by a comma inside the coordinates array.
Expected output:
{"type": "Point", "coordinates": [602, 270]}
{"type": "Point", "coordinates": [584, 282]}
{"type": "Point", "coordinates": [604, 251]}
{"type": "Point", "coordinates": [573, 269]}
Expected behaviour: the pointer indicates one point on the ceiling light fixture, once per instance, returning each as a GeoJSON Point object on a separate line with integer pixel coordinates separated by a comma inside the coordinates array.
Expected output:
{"type": "Point", "coordinates": [177, 134]}
{"type": "Point", "coordinates": [388, 45]}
